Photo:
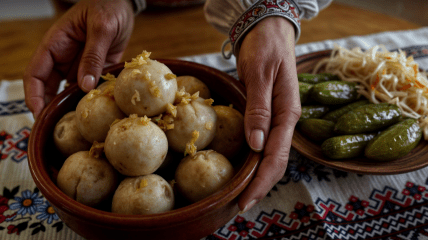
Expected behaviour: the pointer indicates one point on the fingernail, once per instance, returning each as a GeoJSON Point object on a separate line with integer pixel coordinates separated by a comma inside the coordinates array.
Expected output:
{"type": "Point", "coordinates": [257, 138]}
{"type": "Point", "coordinates": [88, 83]}
{"type": "Point", "coordinates": [249, 206]}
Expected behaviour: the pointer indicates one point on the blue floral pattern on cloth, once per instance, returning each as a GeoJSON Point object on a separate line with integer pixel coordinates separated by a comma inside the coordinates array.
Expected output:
{"type": "Point", "coordinates": [27, 203]}
{"type": "Point", "coordinates": [28, 211]}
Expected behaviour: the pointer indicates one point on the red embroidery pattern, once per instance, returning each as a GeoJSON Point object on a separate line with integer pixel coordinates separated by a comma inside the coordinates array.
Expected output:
{"type": "Point", "coordinates": [260, 10]}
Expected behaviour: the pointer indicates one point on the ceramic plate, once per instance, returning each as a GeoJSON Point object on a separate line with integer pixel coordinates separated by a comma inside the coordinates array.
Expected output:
{"type": "Point", "coordinates": [416, 159]}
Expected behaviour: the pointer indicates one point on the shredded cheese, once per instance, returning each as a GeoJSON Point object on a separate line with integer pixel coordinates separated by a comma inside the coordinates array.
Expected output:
{"type": "Point", "coordinates": [147, 76]}
{"type": "Point", "coordinates": [154, 90]}
{"type": "Point", "coordinates": [85, 113]}
{"type": "Point", "coordinates": [182, 97]}
{"type": "Point", "coordinates": [108, 77]}
{"type": "Point", "coordinates": [209, 101]}
{"type": "Point", "coordinates": [170, 76]}
{"type": "Point", "coordinates": [125, 126]}
{"type": "Point", "coordinates": [109, 90]}
{"type": "Point", "coordinates": [135, 97]}
{"type": "Point", "coordinates": [143, 184]}
{"type": "Point", "coordinates": [139, 60]}
{"type": "Point", "coordinates": [93, 93]}
{"type": "Point", "coordinates": [209, 125]}
{"type": "Point", "coordinates": [135, 73]}
{"type": "Point", "coordinates": [195, 96]}
{"type": "Point", "coordinates": [383, 76]}
{"type": "Point", "coordinates": [96, 149]}
{"type": "Point", "coordinates": [166, 123]}
{"type": "Point", "coordinates": [144, 120]}
{"type": "Point", "coordinates": [171, 109]}
{"type": "Point", "coordinates": [190, 146]}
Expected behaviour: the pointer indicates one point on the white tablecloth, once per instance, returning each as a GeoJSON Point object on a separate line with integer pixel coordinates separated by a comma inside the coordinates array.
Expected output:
{"type": "Point", "coordinates": [310, 202]}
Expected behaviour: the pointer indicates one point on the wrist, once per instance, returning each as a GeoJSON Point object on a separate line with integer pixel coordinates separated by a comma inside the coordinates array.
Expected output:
{"type": "Point", "coordinates": [266, 9]}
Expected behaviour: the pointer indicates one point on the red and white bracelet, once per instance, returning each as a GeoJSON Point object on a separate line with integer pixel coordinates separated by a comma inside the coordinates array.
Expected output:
{"type": "Point", "coordinates": [260, 10]}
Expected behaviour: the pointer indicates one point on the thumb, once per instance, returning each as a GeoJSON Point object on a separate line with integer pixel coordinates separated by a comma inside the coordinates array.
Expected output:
{"type": "Point", "coordinates": [98, 42]}
{"type": "Point", "coordinates": [257, 117]}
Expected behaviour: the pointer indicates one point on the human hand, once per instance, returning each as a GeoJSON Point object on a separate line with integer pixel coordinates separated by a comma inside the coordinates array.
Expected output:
{"type": "Point", "coordinates": [90, 36]}
{"type": "Point", "coordinates": [267, 66]}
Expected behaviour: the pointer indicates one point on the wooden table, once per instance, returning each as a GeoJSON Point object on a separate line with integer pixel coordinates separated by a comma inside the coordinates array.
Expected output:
{"type": "Point", "coordinates": [177, 32]}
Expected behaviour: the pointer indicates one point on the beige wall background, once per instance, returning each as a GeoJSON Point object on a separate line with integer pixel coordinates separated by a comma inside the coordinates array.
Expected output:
{"type": "Point", "coordinates": [412, 10]}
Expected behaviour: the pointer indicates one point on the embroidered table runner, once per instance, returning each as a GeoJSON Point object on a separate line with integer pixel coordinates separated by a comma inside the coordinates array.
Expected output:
{"type": "Point", "coordinates": [311, 201]}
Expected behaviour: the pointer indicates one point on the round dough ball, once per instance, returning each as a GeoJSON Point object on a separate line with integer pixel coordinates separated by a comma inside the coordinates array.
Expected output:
{"type": "Point", "coordinates": [67, 137]}
{"type": "Point", "coordinates": [146, 89]}
{"type": "Point", "coordinates": [87, 179]}
{"type": "Point", "coordinates": [94, 114]}
{"type": "Point", "coordinates": [229, 135]}
{"type": "Point", "coordinates": [193, 85]}
{"type": "Point", "coordinates": [136, 146]}
{"type": "Point", "coordinates": [148, 194]}
{"type": "Point", "coordinates": [202, 174]}
{"type": "Point", "coordinates": [197, 115]}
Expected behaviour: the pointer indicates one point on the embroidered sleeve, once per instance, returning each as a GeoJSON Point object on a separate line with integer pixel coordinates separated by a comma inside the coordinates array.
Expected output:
{"type": "Point", "coordinates": [237, 16]}
{"type": "Point", "coordinates": [222, 14]}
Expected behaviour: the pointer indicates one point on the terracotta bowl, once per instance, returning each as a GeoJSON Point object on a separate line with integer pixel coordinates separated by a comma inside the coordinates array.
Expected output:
{"type": "Point", "coordinates": [191, 221]}
{"type": "Point", "coordinates": [416, 159]}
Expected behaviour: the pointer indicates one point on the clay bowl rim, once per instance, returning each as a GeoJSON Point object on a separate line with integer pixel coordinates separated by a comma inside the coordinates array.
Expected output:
{"type": "Point", "coordinates": [174, 217]}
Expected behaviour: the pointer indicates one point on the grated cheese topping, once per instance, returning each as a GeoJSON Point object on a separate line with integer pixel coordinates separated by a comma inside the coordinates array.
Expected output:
{"type": "Point", "coordinates": [171, 109]}
{"type": "Point", "coordinates": [209, 101]}
{"type": "Point", "coordinates": [135, 73]}
{"type": "Point", "coordinates": [190, 146]}
{"type": "Point", "coordinates": [108, 77]}
{"type": "Point", "coordinates": [148, 76]}
{"type": "Point", "coordinates": [143, 184]}
{"type": "Point", "coordinates": [166, 123]}
{"type": "Point", "coordinates": [139, 60]}
{"type": "Point", "coordinates": [154, 90]}
{"type": "Point", "coordinates": [109, 90]}
{"type": "Point", "coordinates": [96, 149]}
{"type": "Point", "coordinates": [85, 113]}
{"type": "Point", "coordinates": [135, 97]}
{"type": "Point", "coordinates": [170, 76]}
{"type": "Point", "coordinates": [92, 94]}
{"type": "Point", "coordinates": [144, 120]}
{"type": "Point", "coordinates": [183, 98]}
{"type": "Point", "coordinates": [209, 125]}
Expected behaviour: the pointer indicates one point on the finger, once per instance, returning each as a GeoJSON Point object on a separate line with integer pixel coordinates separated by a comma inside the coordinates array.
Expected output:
{"type": "Point", "coordinates": [36, 74]}
{"type": "Point", "coordinates": [258, 109]}
{"type": "Point", "coordinates": [73, 67]}
{"type": "Point", "coordinates": [52, 85]}
{"type": "Point", "coordinates": [113, 59]}
{"type": "Point", "coordinates": [286, 113]}
{"type": "Point", "coordinates": [99, 40]}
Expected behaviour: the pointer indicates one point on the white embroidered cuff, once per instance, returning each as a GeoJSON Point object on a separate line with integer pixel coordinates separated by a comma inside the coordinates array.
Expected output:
{"type": "Point", "coordinates": [260, 10]}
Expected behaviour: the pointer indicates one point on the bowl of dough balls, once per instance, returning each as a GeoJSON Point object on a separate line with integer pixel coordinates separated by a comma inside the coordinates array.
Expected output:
{"type": "Point", "coordinates": [156, 151]}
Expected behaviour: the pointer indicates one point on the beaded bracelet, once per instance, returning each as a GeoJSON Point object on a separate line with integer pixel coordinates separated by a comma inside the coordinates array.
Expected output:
{"type": "Point", "coordinates": [260, 10]}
